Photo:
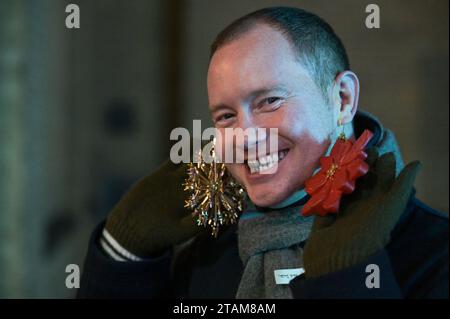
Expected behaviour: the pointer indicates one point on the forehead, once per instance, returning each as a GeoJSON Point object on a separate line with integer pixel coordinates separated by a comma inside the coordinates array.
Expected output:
{"type": "Point", "coordinates": [261, 57]}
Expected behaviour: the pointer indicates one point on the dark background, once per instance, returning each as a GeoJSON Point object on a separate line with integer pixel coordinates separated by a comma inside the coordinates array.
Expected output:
{"type": "Point", "coordinates": [85, 112]}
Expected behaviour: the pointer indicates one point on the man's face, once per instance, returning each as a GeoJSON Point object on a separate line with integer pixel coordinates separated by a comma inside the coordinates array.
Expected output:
{"type": "Point", "coordinates": [255, 81]}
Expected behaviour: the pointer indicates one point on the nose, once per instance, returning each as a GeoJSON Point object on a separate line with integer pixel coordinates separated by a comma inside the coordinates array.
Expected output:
{"type": "Point", "coordinates": [254, 137]}
{"type": "Point", "coordinates": [253, 133]}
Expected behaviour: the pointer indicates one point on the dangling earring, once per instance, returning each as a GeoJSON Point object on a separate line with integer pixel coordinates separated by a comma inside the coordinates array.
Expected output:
{"type": "Point", "coordinates": [341, 125]}
{"type": "Point", "coordinates": [337, 174]}
{"type": "Point", "coordinates": [215, 198]}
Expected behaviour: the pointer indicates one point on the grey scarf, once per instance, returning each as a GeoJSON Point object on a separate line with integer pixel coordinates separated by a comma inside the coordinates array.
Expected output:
{"type": "Point", "coordinates": [268, 242]}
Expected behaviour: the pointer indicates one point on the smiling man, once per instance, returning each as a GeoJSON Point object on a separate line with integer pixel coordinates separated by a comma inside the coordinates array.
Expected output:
{"type": "Point", "coordinates": [281, 68]}
{"type": "Point", "coordinates": [257, 79]}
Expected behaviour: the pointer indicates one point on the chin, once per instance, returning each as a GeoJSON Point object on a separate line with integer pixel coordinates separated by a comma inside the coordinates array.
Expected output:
{"type": "Point", "coordinates": [267, 190]}
{"type": "Point", "coordinates": [264, 201]}
{"type": "Point", "coordinates": [267, 195]}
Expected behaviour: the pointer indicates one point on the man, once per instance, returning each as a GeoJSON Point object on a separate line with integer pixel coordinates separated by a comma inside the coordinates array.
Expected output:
{"type": "Point", "coordinates": [278, 68]}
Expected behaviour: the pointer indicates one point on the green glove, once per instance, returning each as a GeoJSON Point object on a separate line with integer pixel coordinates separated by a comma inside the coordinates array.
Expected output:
{"type": "Point", "coordinates": [365, 220]}
{"type": "Point", "coordinates": [150, 217]}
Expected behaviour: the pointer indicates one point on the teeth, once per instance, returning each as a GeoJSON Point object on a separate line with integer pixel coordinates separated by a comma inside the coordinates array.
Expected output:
{"type": "Point", "coordinates": [266, 162]}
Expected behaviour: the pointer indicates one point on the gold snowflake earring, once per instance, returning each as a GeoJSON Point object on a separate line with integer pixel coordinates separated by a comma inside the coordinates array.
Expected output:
{"type": "Point", "coordinates": [215, 198]}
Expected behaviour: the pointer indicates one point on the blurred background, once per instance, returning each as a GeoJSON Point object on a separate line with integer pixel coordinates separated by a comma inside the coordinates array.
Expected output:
{"type": "Point", "coordinates": [86, 112]}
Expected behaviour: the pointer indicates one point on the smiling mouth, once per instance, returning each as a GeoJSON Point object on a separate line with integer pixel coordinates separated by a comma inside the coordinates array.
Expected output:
{"type": "Point", "coordinates": [267, 162]}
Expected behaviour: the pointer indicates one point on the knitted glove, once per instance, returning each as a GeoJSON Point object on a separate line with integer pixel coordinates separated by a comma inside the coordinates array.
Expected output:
{"type": "Point", "coordinates": [365, 219]}
{"type": "Point", "coordinates": [150, 217]}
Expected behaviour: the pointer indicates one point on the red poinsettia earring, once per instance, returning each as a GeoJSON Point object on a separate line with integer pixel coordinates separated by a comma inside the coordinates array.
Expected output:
{"type": "Point", "coordinates": [337, 175]}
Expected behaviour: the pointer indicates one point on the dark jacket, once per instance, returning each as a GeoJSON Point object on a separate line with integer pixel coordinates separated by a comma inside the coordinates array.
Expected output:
{"type": "Point", "coordinates": [413, 265]}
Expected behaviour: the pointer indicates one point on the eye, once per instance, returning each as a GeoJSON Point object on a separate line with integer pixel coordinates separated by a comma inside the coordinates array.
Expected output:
{"type": "Point", "coordinates": [224, 118]}
{"type": "Point", "coordinates": [270, 104]}
{"type": "Point", "coordinates": [271, 100]}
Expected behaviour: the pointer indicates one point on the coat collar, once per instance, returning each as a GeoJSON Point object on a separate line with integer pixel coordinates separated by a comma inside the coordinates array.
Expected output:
{"type": "Point", "coordinates": [383, 138]}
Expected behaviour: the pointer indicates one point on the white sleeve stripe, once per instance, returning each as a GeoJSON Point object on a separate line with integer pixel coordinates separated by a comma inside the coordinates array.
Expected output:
{"type": "Point", "coordinates": [118, 248]}
{"type": "Point", "coordinates": [109, 251]}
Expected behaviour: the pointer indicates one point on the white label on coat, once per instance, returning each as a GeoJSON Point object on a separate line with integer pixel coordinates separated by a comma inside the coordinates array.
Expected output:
{"type": "Point", "coordinates": [284, 276]}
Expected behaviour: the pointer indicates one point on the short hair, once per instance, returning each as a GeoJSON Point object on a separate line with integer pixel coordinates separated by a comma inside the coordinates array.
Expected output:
{"type": "Point", "coordinates": [318, 47]}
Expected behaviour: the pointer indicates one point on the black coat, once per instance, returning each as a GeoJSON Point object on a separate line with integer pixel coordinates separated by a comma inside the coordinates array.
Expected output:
{"type": "Point", "coordinates": [413, 265]}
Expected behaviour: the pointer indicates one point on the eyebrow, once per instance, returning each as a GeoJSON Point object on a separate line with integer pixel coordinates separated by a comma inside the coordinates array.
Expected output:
{"type": "Point", "coordinates": [265, 90]}
{"type": "Point", "coordinates": [252, 95]}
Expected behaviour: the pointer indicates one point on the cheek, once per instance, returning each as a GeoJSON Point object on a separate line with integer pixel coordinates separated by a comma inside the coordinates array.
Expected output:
{"type": "Point", "coordinates": [311, 121]}
{"type": "Point", "coordinates": [236, 170]}
{"type": "Point", "coordinates": [219, 146]}
{"type": "Point", "coordinates": [223, 143]}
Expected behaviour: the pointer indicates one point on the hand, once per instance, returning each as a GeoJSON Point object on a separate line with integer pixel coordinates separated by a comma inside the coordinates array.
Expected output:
{"type": "Point", "coordinates": [150, 217]}
{"type": "Point", "coordinates": [364, 221]}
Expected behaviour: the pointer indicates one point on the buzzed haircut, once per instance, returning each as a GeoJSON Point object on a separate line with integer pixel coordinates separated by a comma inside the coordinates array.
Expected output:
{"type": "Point", "coordinates": [318, 47]}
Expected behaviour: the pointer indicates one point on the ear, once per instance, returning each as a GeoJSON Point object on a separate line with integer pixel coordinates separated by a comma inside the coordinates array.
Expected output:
{"type": "Point", "coordinates": [345, 96]}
